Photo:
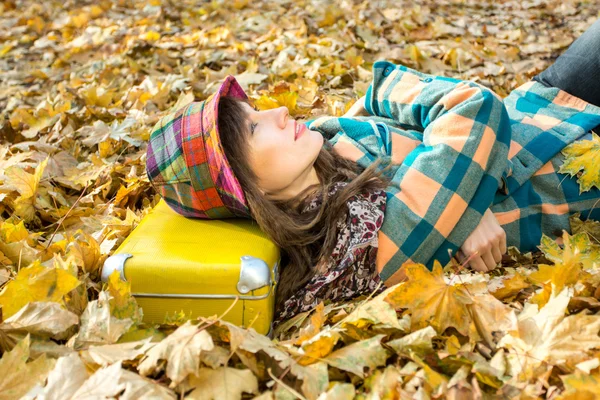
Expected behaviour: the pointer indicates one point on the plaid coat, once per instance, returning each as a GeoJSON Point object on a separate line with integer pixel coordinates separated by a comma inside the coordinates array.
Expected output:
{"type": "Point", "coordinates": [457, 149]}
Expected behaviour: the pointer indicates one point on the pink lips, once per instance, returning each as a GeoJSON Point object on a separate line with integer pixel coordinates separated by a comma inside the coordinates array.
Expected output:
{"type": "Point", "coordinates": [300, 132]}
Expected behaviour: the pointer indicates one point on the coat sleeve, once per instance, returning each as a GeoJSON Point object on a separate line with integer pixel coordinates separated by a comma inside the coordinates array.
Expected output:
{"type": "Point", "coordinates": [442, 187]}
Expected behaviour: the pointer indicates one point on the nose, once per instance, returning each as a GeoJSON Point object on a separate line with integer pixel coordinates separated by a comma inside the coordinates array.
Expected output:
{"type": "Point", "coordinates": [283, 115]}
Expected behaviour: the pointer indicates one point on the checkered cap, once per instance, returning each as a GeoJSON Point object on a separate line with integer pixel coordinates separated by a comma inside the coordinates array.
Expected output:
{"type": "Point", "coordinates": [186, 163]}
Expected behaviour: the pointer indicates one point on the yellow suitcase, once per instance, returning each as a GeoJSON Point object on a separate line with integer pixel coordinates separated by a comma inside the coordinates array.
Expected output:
{"type": "Point", "coordinates": [199, 267]}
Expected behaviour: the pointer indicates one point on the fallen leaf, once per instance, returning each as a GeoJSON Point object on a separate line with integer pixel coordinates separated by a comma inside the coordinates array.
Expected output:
{"type": "Point", "coordinates": [112, 353]}
{"type": "Point", "coordinates": [222, 384]}
{"type": "Point", "coordinates": [65, 379]}
{"type": "Point", "coordinates": [583, 155]}
{"type": "Point", "coordinates": [98, 326]}
{"type": "Point", "coordinates": [110, 381]}
{"type": "Point", "coordinates": [360, 355]}
{"type": "Point", "coordinates": [18, 376]}
{"type": "Point", "coordinates": [122, 303]}
{"type": "Point", "coordinates": [44, 319]}
{"type": "Point", "coordinates": [548, 336]}
{"type": "Point", "coordinates": [432, 300]}
{"type": "Point", "coordinates": [181, 350]}
{"type": "Point", "coordinates": [418, 342]}
{"type": "Point", "coordinates": [36, 283]}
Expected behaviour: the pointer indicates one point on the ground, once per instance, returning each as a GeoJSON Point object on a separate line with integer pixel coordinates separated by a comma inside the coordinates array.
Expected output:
{"type": "Point", "coordinates": [81, 85]}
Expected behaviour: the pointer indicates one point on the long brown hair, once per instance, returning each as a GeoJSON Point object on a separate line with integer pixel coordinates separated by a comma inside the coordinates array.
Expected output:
{"type": "Point", "coordinates": [304, 237]}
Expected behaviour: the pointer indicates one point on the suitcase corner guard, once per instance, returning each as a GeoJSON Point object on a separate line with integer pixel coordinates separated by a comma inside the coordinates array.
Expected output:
{"type": "Point", "coordinates": [254, 274]}
{"type": "Point", "coordinates": [114, 263]}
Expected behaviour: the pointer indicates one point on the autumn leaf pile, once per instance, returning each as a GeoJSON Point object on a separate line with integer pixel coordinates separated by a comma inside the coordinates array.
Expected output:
{"type": "Point", "coordinates": [81, 85]}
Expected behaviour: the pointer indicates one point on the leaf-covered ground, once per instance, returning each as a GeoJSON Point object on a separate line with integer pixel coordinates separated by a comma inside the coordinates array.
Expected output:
{"type": "Point", "coordinates": [82, 83]}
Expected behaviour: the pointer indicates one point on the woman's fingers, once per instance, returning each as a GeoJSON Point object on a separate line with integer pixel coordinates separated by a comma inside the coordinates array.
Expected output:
{"type": "Point", "coordinates": [489, 261]}
{"type": "Point", "coordinates": [503, 248]}
{"type": "Point", "coordinates": [476, 263]}
{"type": "Point", "coordinates": [497, 253]}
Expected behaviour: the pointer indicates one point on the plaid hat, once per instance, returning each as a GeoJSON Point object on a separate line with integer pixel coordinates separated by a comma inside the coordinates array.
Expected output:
{"type": "Point", "coordinates": [186, 163]}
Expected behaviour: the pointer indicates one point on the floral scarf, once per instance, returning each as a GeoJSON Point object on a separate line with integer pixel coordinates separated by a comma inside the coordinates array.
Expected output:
{"type": "Point", "coordinates": [350, 271]}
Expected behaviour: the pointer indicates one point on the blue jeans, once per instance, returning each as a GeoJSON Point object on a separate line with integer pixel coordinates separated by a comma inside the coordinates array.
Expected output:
{"type": "Point", "coordinates": [577, 70]}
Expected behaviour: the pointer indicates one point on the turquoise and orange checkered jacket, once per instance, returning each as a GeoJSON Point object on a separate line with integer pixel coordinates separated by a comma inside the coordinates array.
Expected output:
{"type": "Point", "coordinates": [457, 149]}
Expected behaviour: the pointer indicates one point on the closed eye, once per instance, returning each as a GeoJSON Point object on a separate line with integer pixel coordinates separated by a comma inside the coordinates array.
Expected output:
{"type": "Point", "coordinates": [253, 124]}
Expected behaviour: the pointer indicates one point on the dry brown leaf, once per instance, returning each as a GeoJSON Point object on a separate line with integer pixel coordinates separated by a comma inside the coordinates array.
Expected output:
{"type": "Point", "coordinates": [18, 376]}
{"type": "Point", "coordinates": [360, 355]}
{"type": "Point", "coordinates": [112, 353]}
{"type": "Point", "coordinates": [65, 379]}
{"type": "Point", "coordinates": [43, 319]}
{"type": "Point", "coordinates": [181, 350]}
{"type": "Point", "coordinates": [418, 342]}
{"type": "Point", "coordinates": [98, 326]}
{"type": "Point", "coordinates": [222, 384]}
{"type": "Point", "coordinates": [111, 381]}
{"type": "Point", "coordinates": [492, 318]}
{"type": "Point", "coordinates": [548, 336]}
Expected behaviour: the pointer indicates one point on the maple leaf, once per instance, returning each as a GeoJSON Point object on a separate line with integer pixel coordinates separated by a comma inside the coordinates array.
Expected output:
{"type": "Point", "coordinates": [583, 155]}
{"type": "Point", "coordinates": [376, 311]}
{"type": "Point", "coordinates": [580, 386]}
{"type": "Point", "coordinates": [98, 326]}
{"type": "Point", "coordinates": [318, 346]}
{"type": "Point", "coordinates": [112, 353]}
{"type": "Point", "coordinates": [36, 283]}
{"type": "Point", "coordinates": [84, 250]}
{"type": "Point", "coordinates": [222, 383]}
{"type": "Point", "coordinates": [577, 249]}
{"type": "Point", "coordinates": [502, 287]}
{"type": "Point", "coordinates": [181, 350]}
{"type": "Point", "coordinates": [122, 303]}
{"type": "Point", "coordinates": [42, 319]}
{"type": "Point", "coordinates": [68, 375]}
{"type": "Point", "coordinates": [432, 300]}
{"type": "Point", "coordinates": [110, 381]}
{"type": "Point", "coordinates": [418, 342]}
{"type": "Point", "coordinates": [11, 233]}
{"type": "Point", "coordinates": [27, 185]}
{"type": "Point", "coordinates": [548, 336]}
{"type": "Point", "coordinates": [589, 226]}
{"type": "Point", "coordinates": [359, 355]}
{"type": "Point", "coordinates": [18, 376]}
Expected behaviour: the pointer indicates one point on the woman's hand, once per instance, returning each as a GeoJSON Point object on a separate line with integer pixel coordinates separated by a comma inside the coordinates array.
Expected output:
{"type": "Point", "coordinates": [357, 109]}
{"type": "Point", "coordinates": [485, 245]}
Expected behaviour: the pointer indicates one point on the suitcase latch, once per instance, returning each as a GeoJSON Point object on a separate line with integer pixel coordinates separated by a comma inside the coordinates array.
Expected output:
{"type": "Point", "coordinates": [254, 274]}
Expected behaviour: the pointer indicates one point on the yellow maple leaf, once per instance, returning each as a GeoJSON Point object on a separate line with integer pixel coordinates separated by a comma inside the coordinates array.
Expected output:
{"type": "Point", "coordinates": [122, 303]}
{"type": "Point", "coordinates": [577, 248]}
{"type": "Point", "coordinates": [11, 233]}
{"type": "Point", "coordinates": [36, 283]}
{"type": "Point", "coordinates": [511, 285]}
{"type": "Point", "coordinates": [27, 185]}
{"type": "Point", "coordinates": [23, 182]}
{"type": "Point", "coordinates": [581, 386]}
{"type": "Point", "coordinates": [287, 99]}
{"type": "Point", "coordinates": [318, 346]}
{"type": "Point", "coordinates": [432, 300]}
{"type": "Point", "coordinates": [583, 155]}
{"type": "Point", "coordinates": [85, 251]}
{"type": "Point", "coordinates": [152, 36]}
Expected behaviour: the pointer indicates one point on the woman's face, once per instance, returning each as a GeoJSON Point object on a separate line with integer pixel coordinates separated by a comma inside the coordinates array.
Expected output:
{"type": "Point", "coordinates": [282, 152]}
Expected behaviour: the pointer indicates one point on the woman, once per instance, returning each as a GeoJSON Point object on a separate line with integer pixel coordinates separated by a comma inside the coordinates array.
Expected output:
{"type": "Point", "coordinates": [421, 169]}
